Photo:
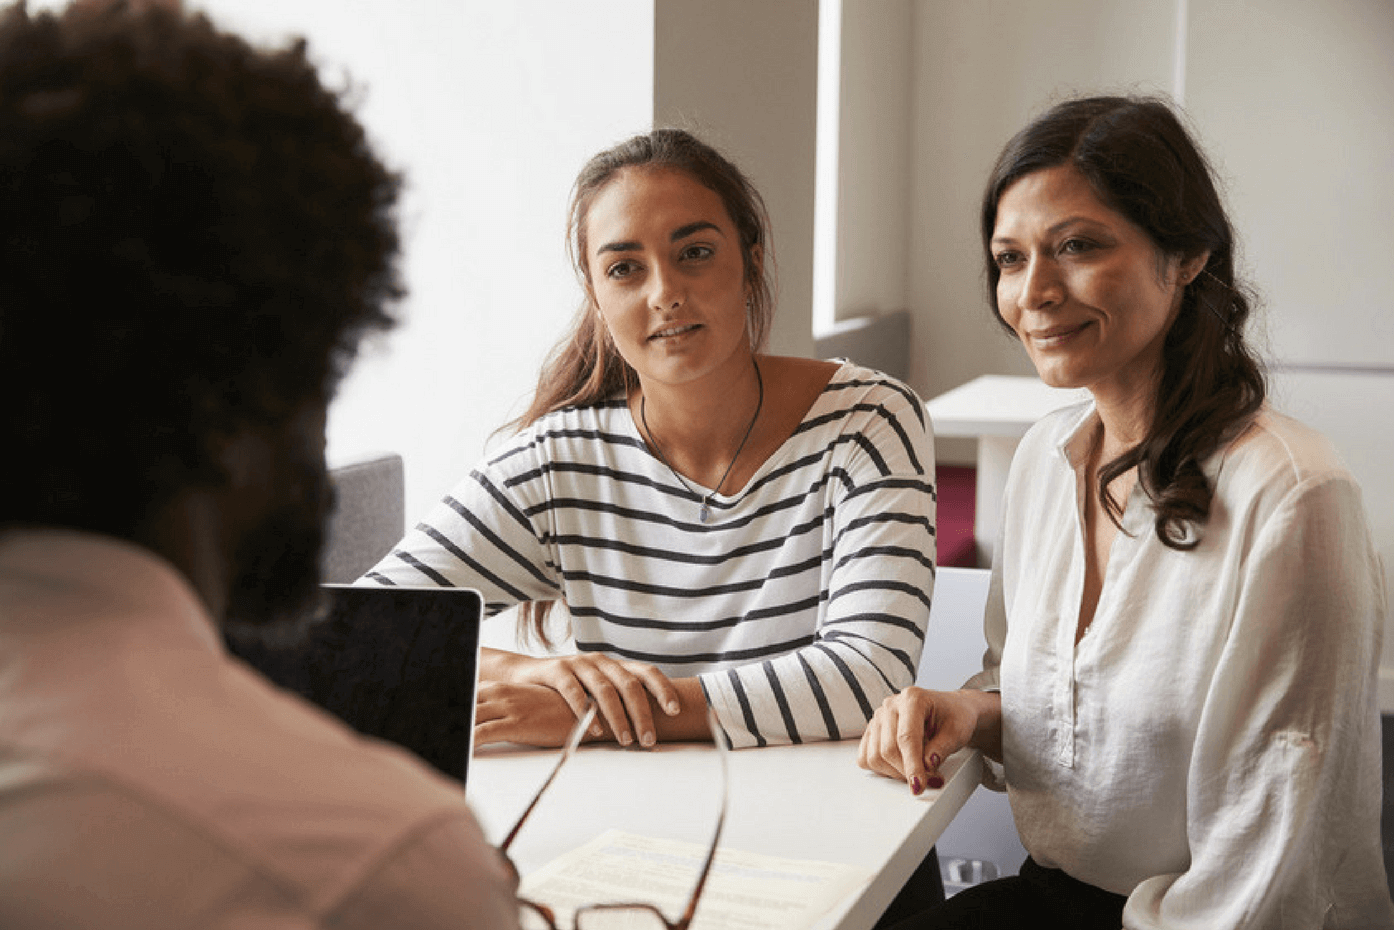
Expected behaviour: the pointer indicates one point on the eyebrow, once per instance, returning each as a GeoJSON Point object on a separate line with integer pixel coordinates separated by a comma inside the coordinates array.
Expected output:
{"type": "Point", "coordinates": [682, 232]}
{"type": "Point", "coordinates": [1056, 228]}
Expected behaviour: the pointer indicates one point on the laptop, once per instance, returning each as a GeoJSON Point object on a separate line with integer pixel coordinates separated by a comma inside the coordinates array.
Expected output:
{"type": "Point", "coordinates": [397, 663]}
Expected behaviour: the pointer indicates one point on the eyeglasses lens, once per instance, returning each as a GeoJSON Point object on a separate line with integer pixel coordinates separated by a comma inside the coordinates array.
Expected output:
{"type": "Point", "coordinates": [601, 917]}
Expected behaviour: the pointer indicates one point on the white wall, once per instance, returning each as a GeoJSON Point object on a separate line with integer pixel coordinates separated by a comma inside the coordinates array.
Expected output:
{"type": "Point", "coordinates": [875, 159]}
{"type": "Point", "coordinates": [489, 109]}
{"type": "Point", "coordinates": [1299, 121]}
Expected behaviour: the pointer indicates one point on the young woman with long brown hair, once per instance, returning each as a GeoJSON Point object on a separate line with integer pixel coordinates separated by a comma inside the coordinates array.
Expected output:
{"type": "Point", "coordinates": [725, 527]}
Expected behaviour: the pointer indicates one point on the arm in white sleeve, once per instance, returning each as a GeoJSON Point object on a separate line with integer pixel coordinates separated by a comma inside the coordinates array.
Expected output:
{"type": "Point", "coordinates": [1283, 799]}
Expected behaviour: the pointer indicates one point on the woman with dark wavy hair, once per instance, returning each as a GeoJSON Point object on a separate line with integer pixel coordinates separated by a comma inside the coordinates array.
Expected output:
{"type": "Point", "coordinates": [1185, 614]}
{"type": "Point", "coordinates": [726, 527]}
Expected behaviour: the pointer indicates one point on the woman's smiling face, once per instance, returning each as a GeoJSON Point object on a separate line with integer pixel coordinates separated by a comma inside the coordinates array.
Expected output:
{"type": "Point", "coordinates": [1084, 288]}
{"type": "Point", "coordinates": [667, 275]}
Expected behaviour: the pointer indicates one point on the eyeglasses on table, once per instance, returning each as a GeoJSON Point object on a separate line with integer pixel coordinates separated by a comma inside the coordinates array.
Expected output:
{"type": "Point", "coordinates": [632, 915]}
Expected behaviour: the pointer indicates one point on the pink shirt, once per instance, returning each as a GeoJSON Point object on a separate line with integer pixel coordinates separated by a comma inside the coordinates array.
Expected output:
{"type": "Point", "coordinates": [149, 780]}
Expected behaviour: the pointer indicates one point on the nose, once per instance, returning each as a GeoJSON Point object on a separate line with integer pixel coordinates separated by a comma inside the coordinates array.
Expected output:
{"type": "Point", "coordinates": [1040, 286]}
{"type": "Point", "coordinates": [666, 292]}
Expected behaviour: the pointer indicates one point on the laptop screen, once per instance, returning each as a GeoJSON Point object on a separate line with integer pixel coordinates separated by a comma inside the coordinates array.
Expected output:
{"type": "Point", "coordinates": [397, 663]}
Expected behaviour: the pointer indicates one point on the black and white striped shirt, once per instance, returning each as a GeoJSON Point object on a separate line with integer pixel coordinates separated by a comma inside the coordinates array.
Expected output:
{"type": "Point", "coordinates": [801, 603]}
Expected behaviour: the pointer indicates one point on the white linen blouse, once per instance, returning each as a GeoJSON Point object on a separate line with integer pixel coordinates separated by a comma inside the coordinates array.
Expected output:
{"type": "Point", "coordinates": [1211, 747]}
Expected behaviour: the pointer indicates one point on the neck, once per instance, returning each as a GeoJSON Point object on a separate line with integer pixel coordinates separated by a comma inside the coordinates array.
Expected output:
{"type": "Point", "coordinates": [699, 427]}
{"type": "Point", "coordinates": [1126, 416]}
{"type": "Point", "coordinates": [705, 470]}
{"type": "Point", "coordinates": [188, 531]}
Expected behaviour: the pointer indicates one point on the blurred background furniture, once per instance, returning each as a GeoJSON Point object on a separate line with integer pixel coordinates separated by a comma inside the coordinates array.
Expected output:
{"type": "Point", "coordinates": [880, 341]}
{"type": "Point", "coordinates": [369, 515]}
{"type": "Point", "coordinates": [996, 410]}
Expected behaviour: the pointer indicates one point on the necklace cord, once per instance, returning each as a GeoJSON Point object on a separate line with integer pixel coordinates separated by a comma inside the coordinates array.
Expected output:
{"type": "Point", "coordinates": [705, 512]}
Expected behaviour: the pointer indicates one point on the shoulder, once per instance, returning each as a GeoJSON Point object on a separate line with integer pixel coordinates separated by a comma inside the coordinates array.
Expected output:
{"type": "Point", "coordinates": [1277, 458]}
{"type": "Point", "coordinates": [871, 420]}
{"type": "Point", "coordinates": [568, 432]}
{"type": "Point", "coordinates": [266, 775]}
{"type": "Point", "coordinates": [606, 415]}
{"type": "Point", "coordinates": [853, 386]}
{"type": "Point", "coordinates": [1284, 447]}
{"type": "Point", "coordinates": [312, 867]}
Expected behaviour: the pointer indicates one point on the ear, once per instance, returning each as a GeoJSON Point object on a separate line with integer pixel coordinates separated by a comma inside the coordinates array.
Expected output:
{"type": "Point", "coordinates": [757, 262]}
{"type": "Point", "coordinates": [1190, 267]}
{"type": "Point", "coordinates": [589, 290]}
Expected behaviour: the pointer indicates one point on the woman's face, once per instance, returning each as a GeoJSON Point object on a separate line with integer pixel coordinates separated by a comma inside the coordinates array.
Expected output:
{"type": "Point", "coordinates": [1087, 292]}
{"type": "Point", "coordinates": [667, 275]}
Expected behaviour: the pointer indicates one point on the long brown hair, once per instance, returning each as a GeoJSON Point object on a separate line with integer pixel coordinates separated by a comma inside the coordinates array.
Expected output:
{"type": "Point", "coordinates": [585, 367]}
{"type": "Point", "coordinates": [1141, 162]}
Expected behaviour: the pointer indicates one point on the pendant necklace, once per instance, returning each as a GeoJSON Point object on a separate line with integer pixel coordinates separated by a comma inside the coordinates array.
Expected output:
{"type": "Point", "coordinates": [705, 512]}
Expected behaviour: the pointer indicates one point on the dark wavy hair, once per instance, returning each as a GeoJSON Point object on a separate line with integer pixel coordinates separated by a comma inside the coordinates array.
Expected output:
{"type": "Point", "coordinates": [584, 367]}
{"type": "Point", "coordinates": [1140, 161]}
{"type": "Point", "coordinates": [195, 233]}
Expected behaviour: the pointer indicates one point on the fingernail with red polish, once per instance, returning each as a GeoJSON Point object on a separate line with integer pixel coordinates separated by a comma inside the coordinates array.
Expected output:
{"type": "Point", "coordinates": [934, 760]}
{"type": "Point", "coordinates": [915, 785]}
{"type": "Point", "coordinates": [936, 782]}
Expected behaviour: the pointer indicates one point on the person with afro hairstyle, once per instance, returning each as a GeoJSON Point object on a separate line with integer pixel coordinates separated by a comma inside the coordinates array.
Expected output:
{"type": "Point", "coordinates": [196, 235]}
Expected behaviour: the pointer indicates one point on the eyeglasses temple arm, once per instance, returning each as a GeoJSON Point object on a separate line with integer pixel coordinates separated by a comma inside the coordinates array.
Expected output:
{"type": "Point", "coordinates": [572, 741]}
{"type": "Point", "coordinates": [723, 746]}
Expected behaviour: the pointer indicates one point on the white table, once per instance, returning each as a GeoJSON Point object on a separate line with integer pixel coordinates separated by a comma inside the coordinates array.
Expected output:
{"type": "Point", "coordinates": [803, 802]}
{"type": "Point", "coordinates": [996, 410]}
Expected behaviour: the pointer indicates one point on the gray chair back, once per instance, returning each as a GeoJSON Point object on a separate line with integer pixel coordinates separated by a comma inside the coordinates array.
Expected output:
{"type": "Point", "coordinates": [369, 516]}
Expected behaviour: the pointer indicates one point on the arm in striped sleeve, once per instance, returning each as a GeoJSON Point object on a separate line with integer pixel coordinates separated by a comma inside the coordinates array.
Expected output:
{"type": "Point", "coordinates": [487, 533]}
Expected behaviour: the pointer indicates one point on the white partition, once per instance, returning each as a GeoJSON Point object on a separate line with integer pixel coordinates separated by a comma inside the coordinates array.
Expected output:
{"type": "Point", "coordinates": [984, 829]}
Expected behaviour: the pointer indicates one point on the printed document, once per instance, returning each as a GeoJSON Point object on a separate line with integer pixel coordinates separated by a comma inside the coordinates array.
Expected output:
{"type": "Point", "coordinates": [745, 891]}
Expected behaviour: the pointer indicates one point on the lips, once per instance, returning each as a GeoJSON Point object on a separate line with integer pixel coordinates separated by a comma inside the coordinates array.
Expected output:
{"type": "Point", "coordinates": [1057, 334]}
{"type": "Point", "coordinates": [677, 330]}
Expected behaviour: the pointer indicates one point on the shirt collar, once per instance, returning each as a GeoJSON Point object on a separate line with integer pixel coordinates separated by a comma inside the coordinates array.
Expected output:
{"type": "Point", "coordinates": [89, 570]}
{"type": "Point", "coordinates": [1079, 435]}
